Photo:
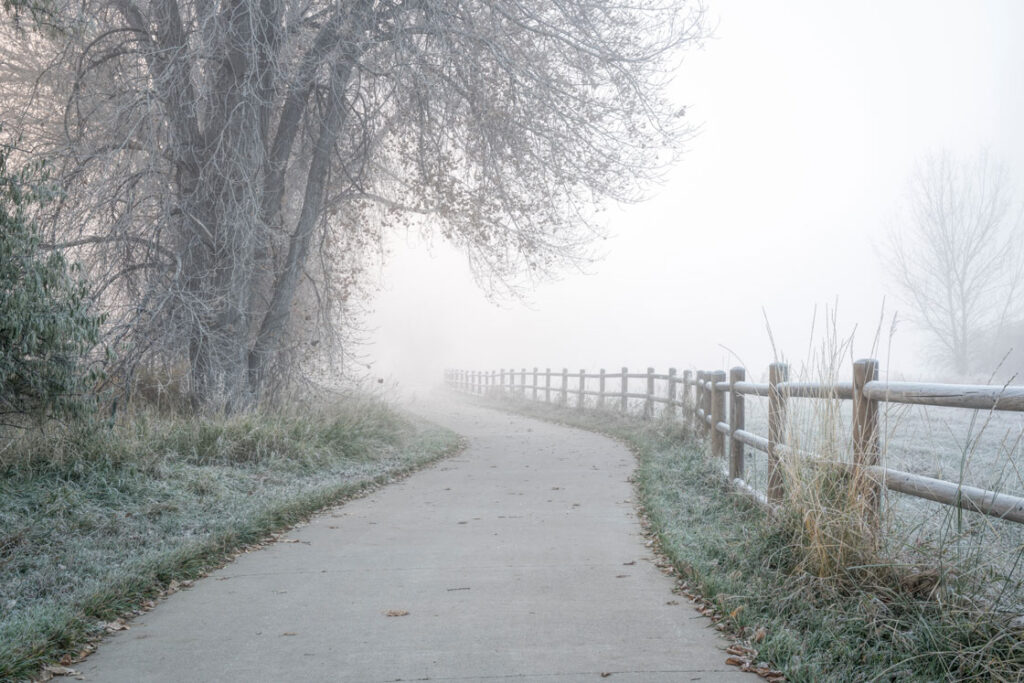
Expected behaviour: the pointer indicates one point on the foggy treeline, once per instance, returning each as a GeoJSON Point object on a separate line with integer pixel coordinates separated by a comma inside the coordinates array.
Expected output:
{"type": "Point", "coordinates": [956, 256]}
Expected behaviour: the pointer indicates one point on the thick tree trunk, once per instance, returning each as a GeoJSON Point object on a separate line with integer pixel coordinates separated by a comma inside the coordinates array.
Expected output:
{"type": "Point", "coordinates": [224, 273]}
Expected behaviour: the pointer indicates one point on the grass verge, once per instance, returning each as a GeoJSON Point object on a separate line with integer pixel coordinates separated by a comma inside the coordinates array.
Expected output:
{"type": "Point", "coordinates": [95, 520]}
{"type": "Point", "coordinates": [863, 623]}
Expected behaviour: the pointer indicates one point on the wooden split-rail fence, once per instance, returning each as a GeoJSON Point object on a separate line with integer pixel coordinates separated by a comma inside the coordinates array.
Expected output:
{"type": "Point", "coordinates": [712, 403]}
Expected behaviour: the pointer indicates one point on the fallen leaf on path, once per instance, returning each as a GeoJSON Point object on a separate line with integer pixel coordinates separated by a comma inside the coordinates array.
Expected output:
{"type": "Point", "coordinates": [116, 625]}
{"type": "Point", "coordinates": [735, 661]}
{"type": "Point", "coordinates": [289, 633]}
{"type": "Point", "coordinates": [606, 674]}
{"type": "Point", "coordinates": [65, 660]}
{"type": "Point", "coordinates": [629, 563]}
{"type": "Point", "coordinates": [396, 613]}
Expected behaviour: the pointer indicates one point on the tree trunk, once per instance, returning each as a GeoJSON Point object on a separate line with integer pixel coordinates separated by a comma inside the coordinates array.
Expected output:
{"type": "Point", "coordinates": [276, 318]}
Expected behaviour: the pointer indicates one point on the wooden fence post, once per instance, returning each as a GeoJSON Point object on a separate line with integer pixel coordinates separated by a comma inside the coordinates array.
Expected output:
{"type": "Point", "coordinates": [777, 374]}
{"type": "Point", "coordinates": [501, 382]}
{"type": "Point", "coordinates": [522, 384]}
{"type": "Point", "coordinates": [706, 392]}
{"type": "Point", "coordinates": [581, 396]}
{"type": "Point", "coordinates": [698, 404]}
{"type": "Point", "coordinates": [535, 384]}
{"type": "Point", "coordinates": [687, 408]}
{"type": "Point", "coordinates": [717, 413]}
{"type": "Point", "coordinates": [866, 443]}
{"type": "Point", "coordinates": [564, 400]}
{"type": "Point", "coordinates": [600, 391]}
{"type": "Point", "coordinates": [547, 385]}
{"type": "Point", "coordinates": [737, 422]}
{"type": "Point", "coordinates": [670, 407]}
{"type": "Point", "coordinates": [649, 399]}
{"type": "Point", "coordinates": [625, 390]}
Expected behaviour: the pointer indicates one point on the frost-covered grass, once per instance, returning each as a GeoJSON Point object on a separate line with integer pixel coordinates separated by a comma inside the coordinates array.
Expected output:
{"type": "Point", "coordinates": [833, 605]}
{"type": "Point", "coordinates": [94, 519]}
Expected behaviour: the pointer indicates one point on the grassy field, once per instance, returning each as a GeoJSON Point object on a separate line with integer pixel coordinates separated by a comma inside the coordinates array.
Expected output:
{"type": "Point", "coordinates": [811, 597]}
{"type": "Point", "coordinates": [95, 521]}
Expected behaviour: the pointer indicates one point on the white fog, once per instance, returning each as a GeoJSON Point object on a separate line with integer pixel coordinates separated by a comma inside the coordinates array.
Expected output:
{"type": "Point", "coordinates": [811, 119]}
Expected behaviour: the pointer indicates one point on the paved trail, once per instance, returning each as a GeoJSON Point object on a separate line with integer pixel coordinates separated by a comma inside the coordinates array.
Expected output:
{"type": "Point", "coordinates": [521, 559]}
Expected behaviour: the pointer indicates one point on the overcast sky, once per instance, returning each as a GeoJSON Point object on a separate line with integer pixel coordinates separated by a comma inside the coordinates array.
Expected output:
{"type": "Point", "coordinates": [812, 116]}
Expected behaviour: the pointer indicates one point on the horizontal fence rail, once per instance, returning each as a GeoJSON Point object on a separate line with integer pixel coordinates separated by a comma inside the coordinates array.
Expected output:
{"type": "Point", "coordinates": [712, 404]}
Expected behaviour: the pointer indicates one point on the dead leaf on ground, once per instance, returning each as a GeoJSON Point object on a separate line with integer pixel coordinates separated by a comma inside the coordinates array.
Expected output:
{"type": "Point", "coordinates": [631, 562]}
{"type": "Point", "coordinates": [759, 634]}
{"type": "Point", "coordinates": [289, 633]}
{"type": "Point", "coordinates": [735, 661]}
{"type": "Point", "coordinates": [57, 670]}
{"type": "Point", "coordinates": [606, 674]}
{"type": "Point", "coordinates": [741, 651]}
{"type": "Point", "coordinates": [397, 613]}
{"type": "Point", "coordinates": [116, 625]}
{"type": "Point", "coordinates": [65, 660]}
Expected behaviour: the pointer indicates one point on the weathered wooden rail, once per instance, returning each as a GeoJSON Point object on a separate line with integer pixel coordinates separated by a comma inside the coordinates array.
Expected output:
{"type": "Point", "coordinates": [712, 404]}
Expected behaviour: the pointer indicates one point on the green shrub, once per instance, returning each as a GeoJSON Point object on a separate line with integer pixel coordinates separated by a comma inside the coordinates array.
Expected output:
{"type": "Point", "coordinates": [46, 328]}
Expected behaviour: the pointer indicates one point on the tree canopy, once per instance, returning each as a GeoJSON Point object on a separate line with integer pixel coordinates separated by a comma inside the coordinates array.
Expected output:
{"type": "Point", "coordinates": [227, 166]}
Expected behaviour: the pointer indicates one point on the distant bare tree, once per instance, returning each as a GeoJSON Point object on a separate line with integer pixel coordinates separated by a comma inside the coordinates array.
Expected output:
{"type": "Point", "coordinates": [227, 164]}
{"type": "Point", "coordinates": [958, 257]}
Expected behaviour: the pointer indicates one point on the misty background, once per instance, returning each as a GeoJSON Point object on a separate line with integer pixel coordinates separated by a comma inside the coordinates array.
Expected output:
{"type": "Point", "coordinates": [811, 121]}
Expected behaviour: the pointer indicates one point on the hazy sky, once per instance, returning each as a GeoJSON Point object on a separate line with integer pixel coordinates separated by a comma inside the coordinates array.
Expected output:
{"type": "Point", "coordinates": [812, 116]}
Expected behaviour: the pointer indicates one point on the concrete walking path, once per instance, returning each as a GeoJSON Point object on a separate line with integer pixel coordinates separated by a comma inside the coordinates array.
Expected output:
{"type": "Point", "coordinates": [520, 559]}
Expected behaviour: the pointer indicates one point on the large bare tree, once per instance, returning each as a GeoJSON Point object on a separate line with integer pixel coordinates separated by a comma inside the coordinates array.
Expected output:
{"type": "Point", "coordinates": [957, 257]}
{"type": "Point", "coordinates": [226, 164]}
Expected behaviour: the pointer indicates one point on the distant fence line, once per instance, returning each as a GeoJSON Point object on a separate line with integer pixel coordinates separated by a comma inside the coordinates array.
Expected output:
{"type": "Point", "coordinates": [712, 404]}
